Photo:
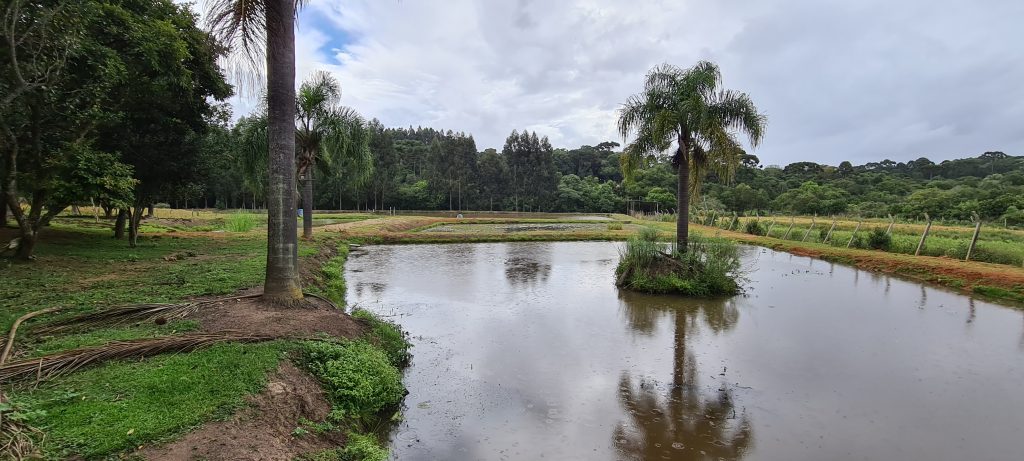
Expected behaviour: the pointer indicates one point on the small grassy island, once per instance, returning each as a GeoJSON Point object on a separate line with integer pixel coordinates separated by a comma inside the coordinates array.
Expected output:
{"type": "Point", "coordinates": [708, 267]}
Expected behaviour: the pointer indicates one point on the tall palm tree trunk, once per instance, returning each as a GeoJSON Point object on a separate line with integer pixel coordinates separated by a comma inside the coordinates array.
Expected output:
{"type": "Point", "coordinates": [683, 199]}
{"type": "Point", "coordinates": [307, 205]}
{"type": "Point", "coordinates": [282, 282]}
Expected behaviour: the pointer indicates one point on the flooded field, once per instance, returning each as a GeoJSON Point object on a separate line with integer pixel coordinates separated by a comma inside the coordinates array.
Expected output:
{"type": "Point", "coordinates": [527, 351]}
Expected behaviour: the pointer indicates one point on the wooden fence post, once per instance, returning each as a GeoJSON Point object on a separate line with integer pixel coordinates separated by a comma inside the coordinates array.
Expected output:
{"type": "Point", "coordinates": [892, 221]}
{"type": "Point", "coordinates": [828, 235]}
{"type": "Point", "coordinates": [854, 233]}
{"type": "Point", "coordinates": [809, 229]}
{"type": "Point", "coordinates": [924, 234]}
{"type": "Point", "coordinates": [974, 239]}
{"type": "Point", "coordinates": [735, 221]}
{"type": "Point", "coordinates": [791, 221]}
{"type": "Point", "coordinates": [714, 216]}
{"type": "Point", "coordinates": [768, 232]}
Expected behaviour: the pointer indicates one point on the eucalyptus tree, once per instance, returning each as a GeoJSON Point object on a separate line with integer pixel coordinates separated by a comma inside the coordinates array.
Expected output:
{"type": "Point", "coordinates": [686, 107]}
{"type": "Point", "coordinates": [267, 28]}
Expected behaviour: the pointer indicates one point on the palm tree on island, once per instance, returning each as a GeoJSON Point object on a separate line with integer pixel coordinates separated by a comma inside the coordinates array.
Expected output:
{"type": "Point", "coordinates": [687, 107]}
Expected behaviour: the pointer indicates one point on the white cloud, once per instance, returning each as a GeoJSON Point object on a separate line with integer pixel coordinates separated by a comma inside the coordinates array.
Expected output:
{"type": "Point", "coordinates": [839, 80]}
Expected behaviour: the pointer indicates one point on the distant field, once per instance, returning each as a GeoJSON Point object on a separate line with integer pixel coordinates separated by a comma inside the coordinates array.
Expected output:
{"type": "Point", "coordinates": [995, 244]}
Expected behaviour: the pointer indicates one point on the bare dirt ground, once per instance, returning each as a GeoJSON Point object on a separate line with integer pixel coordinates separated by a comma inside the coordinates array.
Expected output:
{"type": "Point", "coordinates": [251, 315]}
{"type": "Point", "coordinates": [263, 431]}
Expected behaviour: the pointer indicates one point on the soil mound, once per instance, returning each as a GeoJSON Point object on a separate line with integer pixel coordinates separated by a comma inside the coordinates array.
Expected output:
{"type": "Point", "coordinates": [264, 430]}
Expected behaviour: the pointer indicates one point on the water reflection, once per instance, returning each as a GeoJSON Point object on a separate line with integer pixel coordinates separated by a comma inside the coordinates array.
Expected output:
{"type": "Point", "coordinates": [681, 420]}
{"type": "Point", "coordinates": [527, 264]}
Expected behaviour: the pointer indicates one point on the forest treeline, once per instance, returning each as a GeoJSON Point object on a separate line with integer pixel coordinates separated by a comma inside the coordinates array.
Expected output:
{"type": "Point", "coordinates": [431, 169]}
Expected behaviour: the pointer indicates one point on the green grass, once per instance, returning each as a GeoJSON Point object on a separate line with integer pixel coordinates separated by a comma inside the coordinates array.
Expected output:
{"type": "Point", "coordinates": [709, 266]}
{"type": "Point", "coordinates": [67, 341]}
{"type": "Point", "coordinates": [387, 336]}
{"type": "Point", "coordinates": [997, 246]}
{"type": "Point", "coordinates": [84, 269]}
{"type": "Point", "coordinates": [121, 405]}
{"type": "Point", "coordinates": [334, 275]}
{"type": "Point", "coordinates": [358, 447]}
{"type": "Point", "coordinates": [240, 222]}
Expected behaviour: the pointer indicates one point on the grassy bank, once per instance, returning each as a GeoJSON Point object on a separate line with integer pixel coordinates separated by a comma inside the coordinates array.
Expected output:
{"type": "Point", "coordinates": [110, 409]}
{"type": "Point", "coordinates": [992, 281]}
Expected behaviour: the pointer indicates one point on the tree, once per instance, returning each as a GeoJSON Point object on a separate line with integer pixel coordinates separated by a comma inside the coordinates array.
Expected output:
{"type": "Point", "coordinates": [327, 134]}
{"type": "Point", "coordinates": [244, 23]}
{"type": "Point", "coordinates": [47, 94]}
{"type": "Point", "coordinates": [686, 107]}
{"type": "Point", "coordinates": [531, 168]}
{"type": "Point", "coordinates": [160, 107]}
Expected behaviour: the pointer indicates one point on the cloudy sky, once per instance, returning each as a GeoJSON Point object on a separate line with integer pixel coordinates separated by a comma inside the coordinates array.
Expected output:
{"type": "Point", "coordinates": [840, 80]}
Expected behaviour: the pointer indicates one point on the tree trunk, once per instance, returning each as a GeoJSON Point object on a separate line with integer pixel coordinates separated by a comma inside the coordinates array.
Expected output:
{"type": "Point", "coordinates": [108, 212]}
{"type": "Point", "coordinates": [122, 218]}
{"type": "Point", "coordinates": [282, 279]}
{"type": "Point", "coordinates": [150, 212]}
{"type": "Point", "coordinates": [307, 206]}
{"type": "Point", "coordinates": [683, 200]}
{"type": "Point", "coordinates": [134, 218]}
{"type": "Point", "coordinates": [3, 212]}
{"type": "Point", "coordinates": [27, 244]}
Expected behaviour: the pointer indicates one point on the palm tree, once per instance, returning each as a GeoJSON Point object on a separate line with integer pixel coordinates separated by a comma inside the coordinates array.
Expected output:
{"type": "Point", "coordinates": [269, 25]}
{"type": "Point", "coordinates": [327, 135]}
{"type": "Point", "coordinates": [687, 107]}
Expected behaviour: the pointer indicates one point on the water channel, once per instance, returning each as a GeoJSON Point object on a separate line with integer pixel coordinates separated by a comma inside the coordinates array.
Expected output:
{"type": "Point", "coordinates": [527, 351]}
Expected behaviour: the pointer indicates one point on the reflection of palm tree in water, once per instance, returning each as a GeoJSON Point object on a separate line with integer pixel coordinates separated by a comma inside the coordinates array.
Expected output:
{"type": "Point", "coordinates": [683, 424]}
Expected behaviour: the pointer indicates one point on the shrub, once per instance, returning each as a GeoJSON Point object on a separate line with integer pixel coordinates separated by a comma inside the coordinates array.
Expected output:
{"type": "Point", "coordinates": [708, 267]}
{"type": "Point", "coordinates": [360, 447]}
{"type": "Point", "coordinates": [240, 222]}
{"type": "Point", "coordinates": [386, 335]}
{"type": "Point", "coordinates": [358, 378]}
{"type": "Point", "coordinates": [754, 227]}
{"type": "Point", "coordinates": [878, 239]}
{"type": "Point", "coordinates": [334, 276]}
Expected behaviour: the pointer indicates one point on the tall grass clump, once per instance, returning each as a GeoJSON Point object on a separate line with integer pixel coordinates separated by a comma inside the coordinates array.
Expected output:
{"type": "Point", "coordinates": [708, 266]}
{"type": "Point", "coordinates": [240, 222]}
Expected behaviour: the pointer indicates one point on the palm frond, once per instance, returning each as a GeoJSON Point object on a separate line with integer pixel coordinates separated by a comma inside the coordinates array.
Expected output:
{"type": "Point", "coordinates": [241, 25]}
{"type": "Point", "coordinates": [737, 111]}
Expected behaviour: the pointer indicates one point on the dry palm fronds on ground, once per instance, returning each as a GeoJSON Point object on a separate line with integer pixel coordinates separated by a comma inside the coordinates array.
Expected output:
{"type": "Point", "coordinates": [135, 313]}
{"type": "Point", "coordinates": [53, 365]}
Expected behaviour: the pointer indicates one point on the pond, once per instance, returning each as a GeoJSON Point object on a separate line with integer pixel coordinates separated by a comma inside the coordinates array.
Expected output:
{"type": "Point", "coordinates": [527, 351]}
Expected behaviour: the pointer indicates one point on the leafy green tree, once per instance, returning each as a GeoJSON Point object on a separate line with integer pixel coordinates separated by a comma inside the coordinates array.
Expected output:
{"type": "Point", "coordinates": [662, 196]}
{"type": "Point", "coordinates": [812, 198]}
{"type": "Point", "coordinates": [686, 107]}
{"type": "Point", "coordinates": [588, 195]}
{"type": "Point", "coordinates": [258, 26]}
{"type": "Point", "coordinates": [159, 108]}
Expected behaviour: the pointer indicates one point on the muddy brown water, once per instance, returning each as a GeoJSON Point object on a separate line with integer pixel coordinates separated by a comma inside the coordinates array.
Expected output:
{"type": "Point", "coordinates": [527, 351]}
